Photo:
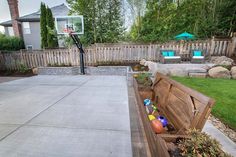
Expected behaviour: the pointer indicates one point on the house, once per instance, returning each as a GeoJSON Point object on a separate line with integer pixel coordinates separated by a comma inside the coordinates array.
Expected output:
{"type": "Point", "coordinates": [30, 25]}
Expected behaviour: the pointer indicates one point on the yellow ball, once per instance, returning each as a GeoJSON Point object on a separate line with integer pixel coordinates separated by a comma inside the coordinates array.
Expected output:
{"type": "Point", "coordinates": [151, 117]}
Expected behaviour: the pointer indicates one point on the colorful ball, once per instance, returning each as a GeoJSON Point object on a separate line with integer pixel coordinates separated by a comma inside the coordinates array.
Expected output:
{"type": "Point", "coordinates": [163, 120]}
{"type": "Point", "coordinates": [154, 107]}
{"type": "Point", "coordinates": [157, 126]}
{"type": "Point", "coordinates": [149, 109]}
{"type": "Point", "coordinates": [151, 117]}
{"type": "Point", "coordinates": [147, 102]}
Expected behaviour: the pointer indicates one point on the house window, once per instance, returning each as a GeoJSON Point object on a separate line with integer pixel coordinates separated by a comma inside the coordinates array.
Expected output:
{"type": "Point", "coordinates": [10, 31]}
{"type": "Point", "coordinates": [26, 28]}
{"type": "Point", "coordinates": [29, 47]}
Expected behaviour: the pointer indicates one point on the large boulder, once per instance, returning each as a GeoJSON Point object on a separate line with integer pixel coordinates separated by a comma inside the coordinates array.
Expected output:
{"type": "Point", "coordinates": [152, 66]}
{"type": "Point", "coordinates": [219, 72]}
{"type": "Point", "coordinates": [142, 62]}
{"type": "Point", "coordinates": [223, 60]}
{"type": "Point", "coordinates": [233, 72]}
{"type": "Point", "coordinates": [35, 71]}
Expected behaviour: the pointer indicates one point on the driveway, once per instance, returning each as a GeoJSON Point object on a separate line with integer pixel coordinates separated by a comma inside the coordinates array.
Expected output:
{"type": "Point", "coordinates": [65, 116]}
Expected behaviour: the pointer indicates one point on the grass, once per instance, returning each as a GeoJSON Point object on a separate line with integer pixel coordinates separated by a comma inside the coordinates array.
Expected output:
{"type": "Point", "coordinates": [222, 90]}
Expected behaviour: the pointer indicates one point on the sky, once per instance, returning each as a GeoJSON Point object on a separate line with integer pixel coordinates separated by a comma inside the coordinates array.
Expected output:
{"type": "Point", "coordinates": [25, 7]}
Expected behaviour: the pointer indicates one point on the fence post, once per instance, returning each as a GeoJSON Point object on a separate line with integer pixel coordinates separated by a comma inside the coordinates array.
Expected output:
{"type": "Point", "coordinates": [212, 46]}
{"type": "Point", "coordinates": [232, 49]}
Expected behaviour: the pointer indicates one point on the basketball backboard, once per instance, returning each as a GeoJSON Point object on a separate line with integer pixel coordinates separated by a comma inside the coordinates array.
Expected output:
{"type": "Point", "coordinates": [66, 24]}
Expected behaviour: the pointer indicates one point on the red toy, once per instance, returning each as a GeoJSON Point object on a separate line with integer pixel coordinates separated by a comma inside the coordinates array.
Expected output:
{"type": "Point", "coordinates": [157, 126]}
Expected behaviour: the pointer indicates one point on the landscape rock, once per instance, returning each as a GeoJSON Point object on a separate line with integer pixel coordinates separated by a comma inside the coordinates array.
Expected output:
{"type": "Point", "coordinates": [142, 62]}
{"type": "Point", "coordinates": [152, 66]}
{"type": "Point", "coordinates": [35, 71]}
{"type": "Point", "coordinates": [178, 72]}
{"type": "Point", "coordinates": [219, 72]}
{"type": "Point", "coordinates": [222, 60]}
{"type": "Point", "coordinates": [198, 75]}
{"type": "Point", "coordinates": [233, 72]}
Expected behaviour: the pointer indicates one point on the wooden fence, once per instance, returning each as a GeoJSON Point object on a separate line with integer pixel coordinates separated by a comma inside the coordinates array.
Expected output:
{"type": "Point", "coordinates": [103, 53]}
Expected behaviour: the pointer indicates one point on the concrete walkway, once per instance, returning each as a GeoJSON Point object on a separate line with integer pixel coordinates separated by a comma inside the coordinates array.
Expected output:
{"type": "Point", "coordinates": [227, 144]}
{"type": "Point", "coordinates": [65, 116]}
{"type": "Point", "coordinates": [7, 79]}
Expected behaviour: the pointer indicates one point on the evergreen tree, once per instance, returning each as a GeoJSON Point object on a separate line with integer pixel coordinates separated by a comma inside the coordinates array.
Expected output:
{"type": "Point", "coordinates": [52, 41]}
{"type": "Point", "coordinates": [43, 25]}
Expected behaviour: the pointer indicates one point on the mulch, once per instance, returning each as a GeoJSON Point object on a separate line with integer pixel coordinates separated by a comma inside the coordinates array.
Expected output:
{"type": "Point", "coordinates": [16, 73]}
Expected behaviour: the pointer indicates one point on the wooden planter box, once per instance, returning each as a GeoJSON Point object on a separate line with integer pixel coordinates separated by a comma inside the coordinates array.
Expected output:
{"type": "Point", "coordinates": [184, 108]}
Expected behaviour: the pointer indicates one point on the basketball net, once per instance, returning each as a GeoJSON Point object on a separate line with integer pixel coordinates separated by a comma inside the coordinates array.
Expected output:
{"type": "Point", "coordinates": [68, 31]}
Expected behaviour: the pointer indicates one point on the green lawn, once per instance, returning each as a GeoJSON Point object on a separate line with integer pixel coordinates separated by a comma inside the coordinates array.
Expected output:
{"type": "Point", "coordinates": [222, 90]}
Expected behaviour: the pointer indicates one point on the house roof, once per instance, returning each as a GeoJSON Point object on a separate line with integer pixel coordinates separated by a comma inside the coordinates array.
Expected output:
{"type": "Point", "coordinates": [60, 10]}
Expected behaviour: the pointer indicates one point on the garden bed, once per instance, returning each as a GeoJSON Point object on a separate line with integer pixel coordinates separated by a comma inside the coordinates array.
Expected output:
{"type": "Point", "coordinates": [17, 73]}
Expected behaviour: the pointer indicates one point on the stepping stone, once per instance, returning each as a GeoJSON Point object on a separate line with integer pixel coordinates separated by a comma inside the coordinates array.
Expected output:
{"type": "Point", "coordinates": [198, 75]}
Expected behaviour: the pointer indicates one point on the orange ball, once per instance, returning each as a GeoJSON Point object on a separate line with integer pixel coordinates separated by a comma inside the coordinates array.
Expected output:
{"type": "Point", "coordinates": [157, 126]}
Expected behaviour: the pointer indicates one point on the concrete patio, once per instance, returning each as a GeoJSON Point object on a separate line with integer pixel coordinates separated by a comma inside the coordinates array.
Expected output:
{"type": "Point", "coordinates": [71, 116]}
{"type": "Point", "coordinates": [65, 116]}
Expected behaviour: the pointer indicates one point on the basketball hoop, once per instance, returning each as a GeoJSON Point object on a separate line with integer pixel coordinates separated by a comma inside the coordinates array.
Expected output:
{"type": "Point", "coordinates": [69, 24]}
{"type": "Point", "coordinates": [68, 30]}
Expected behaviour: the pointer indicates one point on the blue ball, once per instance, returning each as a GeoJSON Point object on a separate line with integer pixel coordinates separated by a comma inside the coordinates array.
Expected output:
{"type": "Point", "coordinates": [163, 120]}
{"type": "Point", "coordinates": [147, 102]}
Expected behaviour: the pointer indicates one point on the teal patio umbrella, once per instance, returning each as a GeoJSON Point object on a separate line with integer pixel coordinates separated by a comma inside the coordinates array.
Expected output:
{"type": "Point", "coordinates": [184, 36]}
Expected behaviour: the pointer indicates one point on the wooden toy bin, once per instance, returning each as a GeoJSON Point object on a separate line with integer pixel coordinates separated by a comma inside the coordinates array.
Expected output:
{"type": "Point", "coordinates": [183, 107]}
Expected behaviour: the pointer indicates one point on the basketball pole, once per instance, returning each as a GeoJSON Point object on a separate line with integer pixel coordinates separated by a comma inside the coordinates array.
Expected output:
{"type": "Point", "coordinates": [81, 50]}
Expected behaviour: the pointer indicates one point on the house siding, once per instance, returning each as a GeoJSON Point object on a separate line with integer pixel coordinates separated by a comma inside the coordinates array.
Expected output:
{"type": "Point", "coordinates": [34, 37]}
{"type": "Point", "coordinates": [6, 31]}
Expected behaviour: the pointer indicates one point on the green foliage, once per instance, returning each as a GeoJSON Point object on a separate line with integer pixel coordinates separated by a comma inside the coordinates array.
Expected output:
{"type": "Point", "coordinates": [11, 43]}
{"type": "Point", "coordinates": [200, 144]}
{"type": "Point", "coordinates": [23, 68]}
{"type": "Point", "coordinates": [47, 27]}
{"type": "Point", "coordinates": [43, 25]}
{"type": "Point", "coordinates": [165, 19]}
{"type": "Point", "coordinates": [144, 79]}
{"type": "Point", "coordinates": [102, 20]}
{"type": "Point", "coordinates": [222, 90]}
{"type": "Point", "coordinates": [51, 32]}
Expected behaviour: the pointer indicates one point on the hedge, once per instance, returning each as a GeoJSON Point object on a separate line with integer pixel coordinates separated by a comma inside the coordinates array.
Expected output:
{"type": "Point", "coordinates": [8, 43]}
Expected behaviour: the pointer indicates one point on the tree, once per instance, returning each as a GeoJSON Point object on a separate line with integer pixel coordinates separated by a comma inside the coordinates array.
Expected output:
{"type": "Point", "coordinates": [102, 19]}
{"type": "Point", "coordinates": [52, 41]}
{"type": "Point", "coordinates": [227, 17]}
{"type": "Point", "coordinates": [43, 25]}
{"type": "Point", "coordinates": [164, 19]}
{"type": "Point", "coordinates": [137, 10]}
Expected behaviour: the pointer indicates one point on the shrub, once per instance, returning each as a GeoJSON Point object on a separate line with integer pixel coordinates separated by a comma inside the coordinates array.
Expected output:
{"type": "Point", "coordinates": [144, 79]}
{"type": "Point", "coordinates": [200, 145]}
{"type": "Point", "coordinates": [11, 43]}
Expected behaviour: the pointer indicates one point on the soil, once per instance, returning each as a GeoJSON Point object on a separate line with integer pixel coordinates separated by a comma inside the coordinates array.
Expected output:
{"type": "Point", "coordinates": [117, 64]}
{"type": "Point", "coordinates": [135, 66]}
{"type": "Point", "coordinates": [15, 73]}
{"type": "Point", "coordinates": [234, 58]}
